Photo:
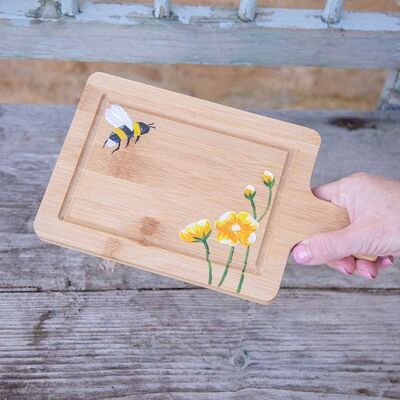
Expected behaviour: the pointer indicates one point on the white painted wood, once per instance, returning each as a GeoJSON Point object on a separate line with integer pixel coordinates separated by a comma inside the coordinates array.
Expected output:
{"type": "Point", "coordinates": [332, 11]}
{"type": "Point", "coordinates": [276, 37]}
{"type": "Point", "coordinates": [247, 10]}
{"type": "Point", "coordinates": [45, 9]}
{"type": "Point", "coordinates": [69, 7]}
{"type": "Point", "coordinates": [197, 345]}
{"type": "Point", "coordinates": [390, 96]}
{"type": "Point", "coordinates": [30, 140]}
{"type": "Point", "coordinates": [19, 8]}
{"type": "Point", "coordinates": [162, 8]}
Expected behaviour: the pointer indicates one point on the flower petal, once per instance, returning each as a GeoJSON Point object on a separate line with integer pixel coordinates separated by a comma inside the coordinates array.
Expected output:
{"type": "Point", "coordinates": [196, 230]}
{"type": "Point", "coordinates": [228, 237]}
{"type": "Point", "coordinates": [247, 238]}
{"type": "Point", "coordinates": [192, 229]}
{"type": "Point", "coordinates": [205, 226]}
{"type": "Point", "coordinates": [246, 221]}
{"type": "Point", "coordinates": [226, 220]}
{"type": "Point", "coordinates": [252, 238]}
{"type": "Point", "coordinates": [185, 236]}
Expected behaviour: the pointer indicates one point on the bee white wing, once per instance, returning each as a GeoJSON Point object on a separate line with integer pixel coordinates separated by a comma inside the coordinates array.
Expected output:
{"type": "Point", "coordinates": [117, 116]}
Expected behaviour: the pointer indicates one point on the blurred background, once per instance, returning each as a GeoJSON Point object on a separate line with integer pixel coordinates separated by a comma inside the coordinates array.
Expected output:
{"type": "Point", "coordinates": [36, 81]}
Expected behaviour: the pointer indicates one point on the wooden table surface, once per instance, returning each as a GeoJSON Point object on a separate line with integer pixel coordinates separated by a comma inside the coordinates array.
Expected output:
{"type": "Point", "coordinates": [77, 327]}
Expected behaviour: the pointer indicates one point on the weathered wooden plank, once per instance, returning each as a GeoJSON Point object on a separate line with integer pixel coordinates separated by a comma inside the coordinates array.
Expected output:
{"type": "Point", "coordinates": [333, 11]}
{"type": "Point", "coordinates": [31, 137]}
{"type": "Point", "coordinates": [130, 33]}
{"type": "Point", "coordinates": [194, 344]}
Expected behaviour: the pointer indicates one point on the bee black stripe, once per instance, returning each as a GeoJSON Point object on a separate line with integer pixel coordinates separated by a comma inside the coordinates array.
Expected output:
{"type": "Point", "coordinates": [115, 138]}
{"type": "Point", "coordinates": [128, 132]}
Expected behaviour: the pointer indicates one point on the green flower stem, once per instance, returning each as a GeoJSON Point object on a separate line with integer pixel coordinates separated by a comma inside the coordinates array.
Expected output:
{"type": "Point", "coordinates": [208, 261]}
{"type": "Point", "coordinates": [228, 264]}
{"type": "Point", "coordinates": [268, 204]}
{"type": "Point", "coordinates": [253, 206]}
{"type": "Point", "coordinates": [239, 288]}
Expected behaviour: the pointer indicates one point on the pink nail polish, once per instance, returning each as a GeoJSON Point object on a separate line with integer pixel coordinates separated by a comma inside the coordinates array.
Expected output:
{"type": "Point", "coordinates": [387, 261]}
{"type": "Point", "coordinates": [366, 274]}
{"type": "Point", "coordinates": [301, 254]}
{"type": "Point", "coordinates": [344, 270]}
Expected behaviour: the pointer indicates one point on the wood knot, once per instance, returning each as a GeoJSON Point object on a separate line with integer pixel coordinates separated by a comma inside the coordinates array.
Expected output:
{"type": "Point", "coordinates": [110, 247]}
{"type": "Point", "coordinates": [239, 360]}
{"type": "Point", "coordinates": [149, 226]}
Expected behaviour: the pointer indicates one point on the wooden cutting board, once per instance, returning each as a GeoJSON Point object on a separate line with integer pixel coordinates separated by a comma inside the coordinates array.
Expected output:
{"type": "Point", "coordinates": [173, 201]}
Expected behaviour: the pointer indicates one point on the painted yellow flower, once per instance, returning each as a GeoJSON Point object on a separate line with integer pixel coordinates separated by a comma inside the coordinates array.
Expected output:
{"type": "Point", "coordinates": [196, 231]}
{"type": "Point", "coordinates": [268, 178]}
{"type": "Point", "coordinates": [234, 228]}
{"type": "Point", "coordinates": [249, 191]}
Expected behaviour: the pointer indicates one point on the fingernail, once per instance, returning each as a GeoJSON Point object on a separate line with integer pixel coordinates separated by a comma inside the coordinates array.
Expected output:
{"type": "Point", "coordinates": [386, 261]}
{"type": "Point", "coordinates": [301, 254]}
{"type": "Point", "coordinates": [344, 270]}
{"type": "Point", "coordinates": [366, 274]}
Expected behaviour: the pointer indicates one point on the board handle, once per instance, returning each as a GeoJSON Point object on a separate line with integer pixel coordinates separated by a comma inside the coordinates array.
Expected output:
{"type": "Point", "coordinates": [325, 216]}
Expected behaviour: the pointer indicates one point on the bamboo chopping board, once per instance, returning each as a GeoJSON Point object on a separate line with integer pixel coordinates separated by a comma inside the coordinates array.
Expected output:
{"type": "Point", "coordinates": [185, 188]}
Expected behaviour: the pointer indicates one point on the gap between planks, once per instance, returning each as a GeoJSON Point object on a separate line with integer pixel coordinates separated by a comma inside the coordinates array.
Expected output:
{"type": "Point", "coordinates": [381, 291]}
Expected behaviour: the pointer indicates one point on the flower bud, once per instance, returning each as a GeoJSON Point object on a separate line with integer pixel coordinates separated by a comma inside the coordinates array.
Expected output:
{"type": "Point", "coordinates": [268, 178]}
{"type": "Point", "coordinates": [249, 192]}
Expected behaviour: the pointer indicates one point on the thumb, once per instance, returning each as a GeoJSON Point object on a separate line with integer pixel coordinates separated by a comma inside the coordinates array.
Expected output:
{"type": "Point", "coordinates": [327, 247]}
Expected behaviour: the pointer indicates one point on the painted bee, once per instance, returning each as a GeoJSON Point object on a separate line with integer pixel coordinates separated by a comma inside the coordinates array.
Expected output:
{"type": "Point", "coordinates": [124, 127]}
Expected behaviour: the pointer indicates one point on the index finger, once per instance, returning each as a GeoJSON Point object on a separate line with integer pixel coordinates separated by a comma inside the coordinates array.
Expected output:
{"type": "Point", "coordinates": [332, 192]}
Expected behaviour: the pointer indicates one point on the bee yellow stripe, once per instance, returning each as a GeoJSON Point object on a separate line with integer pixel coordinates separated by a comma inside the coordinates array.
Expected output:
{"type": "Point", "coordinates": [136, 129]}
{"type": "Point", "coordinates": [121, 134]}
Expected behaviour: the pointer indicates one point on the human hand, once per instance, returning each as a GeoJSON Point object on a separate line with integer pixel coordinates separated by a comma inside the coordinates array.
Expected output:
{"type": "Point", "coordinates": [373, 207]}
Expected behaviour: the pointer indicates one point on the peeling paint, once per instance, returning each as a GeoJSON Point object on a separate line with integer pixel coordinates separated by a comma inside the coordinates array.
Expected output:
{"type": "Point", "coordinates": [43, 9]}
{"type": "Point", "coordinates": [47, 9]}
{"type": "Point", "coordinates": [347, 44]}
{"type": "Point", "coordinates": [269, 18]}
{"type": "Point", "coordinates": [115, 13]}
{"type": "Point", "coordinates": [186, 13]}
{"type": "Point", "coordinates": [311, 19]}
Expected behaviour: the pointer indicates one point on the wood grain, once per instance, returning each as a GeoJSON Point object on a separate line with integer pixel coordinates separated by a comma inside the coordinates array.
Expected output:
{"type": "Point", "coordinates": [199, 345]}
{"type": "Point", "coordinates": [346, 137]}
{"type": "Point", "coordinates": [200, 35]}
{"type": "Point", "coordinates": [80, 339]}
